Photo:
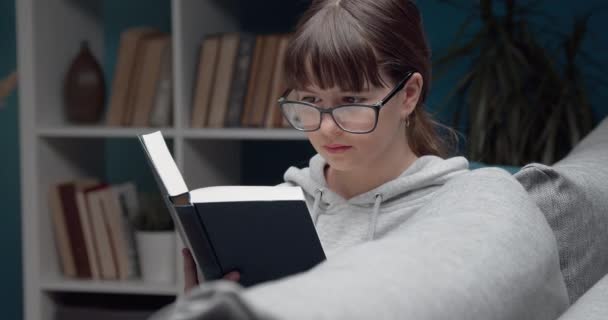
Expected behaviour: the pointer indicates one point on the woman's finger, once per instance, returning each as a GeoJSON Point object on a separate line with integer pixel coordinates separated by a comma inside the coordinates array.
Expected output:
{"type": "Point", "coordinates": [190, 277]}
{"type": "Point", "coordinates": [233, 276]}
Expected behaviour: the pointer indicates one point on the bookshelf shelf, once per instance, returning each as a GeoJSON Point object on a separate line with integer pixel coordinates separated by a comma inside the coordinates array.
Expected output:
{"type": "Point", "coordinates": [99, 132]}
{"type": "Point", "coordinates": [244, 134]}
{"type": "Point", "coordinates": [119, 287]}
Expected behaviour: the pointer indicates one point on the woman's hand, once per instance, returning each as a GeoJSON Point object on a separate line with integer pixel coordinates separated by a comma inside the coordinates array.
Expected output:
{"type": "Point", "coordinates": [190, 277]}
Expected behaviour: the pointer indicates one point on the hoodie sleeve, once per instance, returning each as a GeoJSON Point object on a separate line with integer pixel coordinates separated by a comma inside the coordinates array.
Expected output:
{"type": "Point", "coordinates": [480, 250]}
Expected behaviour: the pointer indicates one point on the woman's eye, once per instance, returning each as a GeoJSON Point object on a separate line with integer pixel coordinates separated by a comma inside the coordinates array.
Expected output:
{"type": "Point", "coordinates": [310, 99]}
{"type": "Point", "coordinates": [353, 99]}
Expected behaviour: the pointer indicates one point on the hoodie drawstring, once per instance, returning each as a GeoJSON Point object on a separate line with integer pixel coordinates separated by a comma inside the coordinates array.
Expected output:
{"type": "Point", "coordinates": [371, 232]}
{"type": "Point", "coordinates": [315, 206]}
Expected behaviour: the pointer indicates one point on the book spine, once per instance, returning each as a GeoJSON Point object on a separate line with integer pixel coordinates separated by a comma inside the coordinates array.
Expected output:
{"type": "Point", "coordinates": [199, 243]}
{"type": "Point", "coordinates": [161, 113]}
{"type": "Point", "coordinates": [67, 194]}
{"type": "Point", "coordinates": [62, 240]}
{"type": "Point", "coordinates": [129, 230]}
{"type": "Point", "coordinates": [240, 78]}
{"type": "Point", "coordinates": [87, 228]}
{"type": "Point", "coordinates": [107, 267]}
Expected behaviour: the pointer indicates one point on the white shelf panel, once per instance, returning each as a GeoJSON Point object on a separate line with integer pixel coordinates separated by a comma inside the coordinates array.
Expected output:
{"type": "Point", "coordinates": [245, 134]}
{"type": "Point", "coordinates": [99, 132]}
{"type": "Point", "coordinates": [100, 286]}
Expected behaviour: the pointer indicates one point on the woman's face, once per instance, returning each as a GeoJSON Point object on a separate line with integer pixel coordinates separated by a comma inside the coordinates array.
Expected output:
{"type": "Point", "coordinates": [346, 151]}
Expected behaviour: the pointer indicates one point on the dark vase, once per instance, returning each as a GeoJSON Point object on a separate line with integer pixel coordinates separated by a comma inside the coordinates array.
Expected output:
{"type": "Point", "coordinates": [84, 88]}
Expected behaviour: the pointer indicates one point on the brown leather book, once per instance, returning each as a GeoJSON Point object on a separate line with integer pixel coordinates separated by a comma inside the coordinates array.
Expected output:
{"type": "Point", "coordinates": [137, 77]}
{"type": "Point", "coordinates": [145, 94]}
{"type": "Point", "coordinates": [229, 45]}
{"type": "Point", "coordinates": [87, 226]}
{"type": "Point", "coordinates": [123, 73]}
{"type": "Point", "coordinates": [238, 88]}
{"type": "Point", "coordinates": [117, 232]}
{"type": "Point", "coordinates": [256, 62]}
{"type": "Point", "coordinates": [274, 117]}
{"type": "Point", "coordinates": [60, 230]}
{"type": "Point", "coordinates": [204, 81]}
{"type": "Point", "coordinates": [108, 267]}
{"type": "Point", "coordinates": [67, 196]}
{"type": "Point", "coordinates": [263, 81]}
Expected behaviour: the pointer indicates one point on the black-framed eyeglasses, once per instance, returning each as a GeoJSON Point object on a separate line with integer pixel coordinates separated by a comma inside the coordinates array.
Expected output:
{"type": "Point", "coordinates": [353, 118]}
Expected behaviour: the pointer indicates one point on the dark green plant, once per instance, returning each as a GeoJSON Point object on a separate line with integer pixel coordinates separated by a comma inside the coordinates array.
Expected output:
{"type": "Point", "coordinates": [525, 101]}
{"type": "Point", "coordinates": [153, 214]}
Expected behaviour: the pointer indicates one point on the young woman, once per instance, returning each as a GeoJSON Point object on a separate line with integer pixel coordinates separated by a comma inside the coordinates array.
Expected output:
{"type": "Point", "coordinates": [407, 231]}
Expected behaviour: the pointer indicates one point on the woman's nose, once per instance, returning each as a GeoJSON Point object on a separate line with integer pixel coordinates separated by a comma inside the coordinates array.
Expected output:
{"type": "Point", "coordinates": [328, 125]}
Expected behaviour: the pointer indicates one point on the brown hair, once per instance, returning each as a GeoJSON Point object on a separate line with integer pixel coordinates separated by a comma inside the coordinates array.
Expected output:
{"type": "Point", "coordinates": [347, 43]}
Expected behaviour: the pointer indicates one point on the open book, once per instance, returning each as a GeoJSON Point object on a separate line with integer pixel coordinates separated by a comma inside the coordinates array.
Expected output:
{"type": "Point", "coordinates": [263, 232]}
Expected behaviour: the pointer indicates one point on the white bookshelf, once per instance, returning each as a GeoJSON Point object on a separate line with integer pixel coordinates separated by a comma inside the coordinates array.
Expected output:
{"type": "Point", "coordinates": [119, 287]}
{"type": "Point", "coordinates": [97, 132]}
{"type": "Point", "coordinates": [49, 33]}
{"type": "Point", "coordinates": [244, 134]}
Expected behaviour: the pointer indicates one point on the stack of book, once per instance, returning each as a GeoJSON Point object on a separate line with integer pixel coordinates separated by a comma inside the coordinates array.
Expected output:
{"type": "Point", "coordinates": [239, 80]}
{"type": "Point", "coordinates": [142, 85]}
{"type": "Point", "coordinates": [93, 230]}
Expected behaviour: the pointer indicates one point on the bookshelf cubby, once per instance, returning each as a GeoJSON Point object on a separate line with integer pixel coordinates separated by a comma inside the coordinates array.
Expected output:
{"type": "Point", "coordinates": [49, 34]}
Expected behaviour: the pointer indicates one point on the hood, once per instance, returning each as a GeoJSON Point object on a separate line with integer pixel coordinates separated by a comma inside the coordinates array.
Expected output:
{"type": "Point", "coordinates": [425, 172]}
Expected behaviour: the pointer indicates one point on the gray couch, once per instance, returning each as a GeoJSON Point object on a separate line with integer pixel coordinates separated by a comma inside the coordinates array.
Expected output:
{"type": "Point", "coordinates": [573, 195]}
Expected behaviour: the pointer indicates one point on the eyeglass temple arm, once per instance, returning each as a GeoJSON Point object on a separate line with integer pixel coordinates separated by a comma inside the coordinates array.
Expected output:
{"type": "Point", "coordinates": [396, 89]}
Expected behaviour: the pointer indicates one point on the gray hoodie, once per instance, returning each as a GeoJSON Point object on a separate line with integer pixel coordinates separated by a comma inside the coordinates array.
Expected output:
{"type": "Point", "coordinates": [438, 242]}
{"type": "Point", "coordinates": [343, 223]}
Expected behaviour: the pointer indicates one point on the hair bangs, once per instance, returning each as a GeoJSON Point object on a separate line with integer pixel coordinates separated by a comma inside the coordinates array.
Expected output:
{"type": "Point", "coordinates": [331, 51]}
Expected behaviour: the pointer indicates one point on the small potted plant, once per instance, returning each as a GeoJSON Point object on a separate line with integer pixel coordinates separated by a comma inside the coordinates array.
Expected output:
{"type": "Point", "coordinates": [155, 239]}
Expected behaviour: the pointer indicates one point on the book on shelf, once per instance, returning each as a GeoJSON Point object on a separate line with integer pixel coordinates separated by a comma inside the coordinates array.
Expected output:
{"type": "Point", "coordinates": [239, 79]}
{"type": "Point", "coordinates": [122, 83]}
{"type": "Point", "coordinates": [274, 117]}
{"type": "Point", "coordinates": [92, 228]}
{"type": "Point", "coordinates": [101, 233]}
{"type": "Point", "coordinates": [150, 78]}
{"type": "Point", "coordinates": [142, 84]}
{"type": "Point", "coordinates": [208, 56]}
{"type": "Point", "coordinates": [229, 43]}
{"type": "Point", "coordinates": [263, 232]}
{"type": "Point", "coordinates": [256, 60]}
{"type": "Point", "coordinates": [163, 101]}
{"type": "Point", "coordinates": [262, 82]}
{"type": "Point", "coordinates": [75, 255]}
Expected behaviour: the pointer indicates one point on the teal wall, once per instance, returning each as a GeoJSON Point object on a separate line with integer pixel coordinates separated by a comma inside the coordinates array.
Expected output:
{"type": "Point", "coordinates": [10, 223]}
{"type": "Point", "coordinates": [440, 23]}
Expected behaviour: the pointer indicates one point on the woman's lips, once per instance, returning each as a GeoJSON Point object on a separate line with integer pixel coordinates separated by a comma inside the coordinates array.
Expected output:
{"type": "Point", "coordinates": [336, 148]}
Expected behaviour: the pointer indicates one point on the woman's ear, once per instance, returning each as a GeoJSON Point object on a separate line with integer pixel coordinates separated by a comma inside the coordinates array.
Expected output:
{"type": "Point", "coordinates": [411, 94]}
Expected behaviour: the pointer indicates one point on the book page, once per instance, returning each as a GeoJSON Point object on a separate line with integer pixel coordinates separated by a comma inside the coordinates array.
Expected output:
{"type": "Point", "coordinates": [163, 163]}
{"type": "Point", "coordinates": [245, 193]}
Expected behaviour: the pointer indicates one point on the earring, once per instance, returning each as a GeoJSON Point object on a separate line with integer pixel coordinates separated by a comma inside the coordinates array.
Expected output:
{"type": "Point", "coordinates": [407, 122]}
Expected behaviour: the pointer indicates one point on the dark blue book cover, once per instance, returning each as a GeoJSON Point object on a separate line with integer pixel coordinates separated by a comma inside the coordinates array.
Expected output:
{"type": "Point", "coordinates": [264, 233]}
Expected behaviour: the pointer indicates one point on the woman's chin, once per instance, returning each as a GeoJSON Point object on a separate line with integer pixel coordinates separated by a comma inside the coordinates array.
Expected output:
{"type": "Point", "coordinates": [339, 163]}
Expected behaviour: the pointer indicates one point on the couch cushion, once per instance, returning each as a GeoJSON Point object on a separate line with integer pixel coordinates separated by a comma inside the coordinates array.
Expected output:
{"type": "Point", "coordinates": [593, 305]}
{"type": "Point", "coordinates": [573, 195]}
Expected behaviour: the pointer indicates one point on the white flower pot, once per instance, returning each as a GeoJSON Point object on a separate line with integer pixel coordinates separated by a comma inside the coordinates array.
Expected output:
{"type": "Point", "coordinates": [156, 251]}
